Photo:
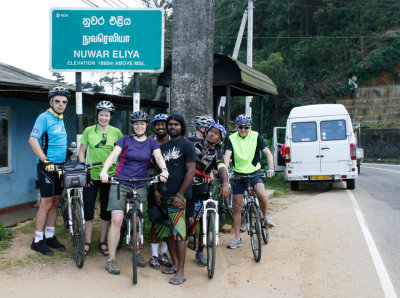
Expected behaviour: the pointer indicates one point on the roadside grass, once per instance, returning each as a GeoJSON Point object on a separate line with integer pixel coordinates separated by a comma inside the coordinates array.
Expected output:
{"type": "Point", "coordinates": [278, 184]}
{"type": "Point", "coordinates": [382, 160]}
{"type": "Point", "coordinates": [6, 235]}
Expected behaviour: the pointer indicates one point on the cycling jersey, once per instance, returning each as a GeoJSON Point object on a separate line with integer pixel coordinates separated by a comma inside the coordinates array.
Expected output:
{"type": "Point", "coordinates": [100, 146]}
{"type": "Point", "coordinates": [50, 131]}
{"type": "Point", "coordinates": [246, 152]}
{"type": "Point", "coordinates": [208, 158]}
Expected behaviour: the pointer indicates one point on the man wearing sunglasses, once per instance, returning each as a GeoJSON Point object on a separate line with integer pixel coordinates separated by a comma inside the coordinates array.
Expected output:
{"type": "Point", "coordinates": [245, 147]}
{"type": "Point", "coordinates": [48, 141]}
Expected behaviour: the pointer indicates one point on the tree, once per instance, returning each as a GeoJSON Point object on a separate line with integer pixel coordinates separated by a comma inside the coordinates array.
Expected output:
{"type": "Point", "coordinates": [93, 87]}
{"type": "Point", "coordinates": [59, 77]}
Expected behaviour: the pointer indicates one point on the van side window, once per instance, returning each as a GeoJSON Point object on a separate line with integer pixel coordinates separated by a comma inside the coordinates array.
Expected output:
{"type": "Point", "coordinates": [304, 131]}
{"type": "Point", "coordinates": [333, 130]}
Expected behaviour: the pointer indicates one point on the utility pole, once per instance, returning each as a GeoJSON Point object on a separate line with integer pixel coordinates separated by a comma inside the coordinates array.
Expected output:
{"type": "Point", "coordinates": [192, 59]}
{"type": "Point", "coordinates": [249, 49]}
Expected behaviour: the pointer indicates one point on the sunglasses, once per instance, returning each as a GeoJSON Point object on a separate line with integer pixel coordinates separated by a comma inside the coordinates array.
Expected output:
{"type": "Point", "coordinates": [244, 127]}
{"type": "Point", "coordinates": [102, 142]}
{"type": "Point", "coordinates": [58, 101]}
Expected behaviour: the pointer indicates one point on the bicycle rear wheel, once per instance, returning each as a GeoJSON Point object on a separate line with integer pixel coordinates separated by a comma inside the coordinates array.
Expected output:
{"type": "Point", "coordinates": [211, 244]}
{"type": "Point", "coordinates": [255, 232]}
{"type": "Point", "coordinates": [64, 208]}
{"type": "Point", "coordinates": [133, 237]}
{"type": "Point", "coordinates": [264, 230]}
{"type": "Point", "coordinates": [228, 202]}
{"type": "Point", "coordinates": [78, 236]}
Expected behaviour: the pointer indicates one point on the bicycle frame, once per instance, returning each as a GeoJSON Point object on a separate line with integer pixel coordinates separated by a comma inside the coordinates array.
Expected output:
{"type": "Point", "coordinates": [130, 207]}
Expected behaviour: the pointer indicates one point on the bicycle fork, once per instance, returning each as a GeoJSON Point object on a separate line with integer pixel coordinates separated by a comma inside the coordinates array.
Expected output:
{"type": "Point", "coordinates": [79, 196]}
{"type": "Point", "coordinates": [213, 209]}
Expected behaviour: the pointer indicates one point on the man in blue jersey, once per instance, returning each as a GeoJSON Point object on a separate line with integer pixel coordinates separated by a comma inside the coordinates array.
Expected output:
{"type": "Point", "coordinates": [48, 141]}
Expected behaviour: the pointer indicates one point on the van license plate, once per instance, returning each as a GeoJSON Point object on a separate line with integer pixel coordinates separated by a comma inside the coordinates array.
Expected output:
{"type": "Point", "coordinates": [321, 177]}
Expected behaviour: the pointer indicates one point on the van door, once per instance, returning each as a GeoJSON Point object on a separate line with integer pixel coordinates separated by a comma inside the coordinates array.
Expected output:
{"type": "Point", "coordinates": [304, 146]}
{"type": "Point", "coordinates": [335, 145]}
{"type": "Point", "coordinates": [278, 141]}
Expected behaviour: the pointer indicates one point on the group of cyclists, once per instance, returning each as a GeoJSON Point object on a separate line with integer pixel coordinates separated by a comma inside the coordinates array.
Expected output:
{"type": "Point", "coordinates": [185, 165]}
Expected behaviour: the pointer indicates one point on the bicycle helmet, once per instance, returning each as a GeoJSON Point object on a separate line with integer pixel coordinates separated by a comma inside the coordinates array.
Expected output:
{"type": "Point", "coordinates": [139, 116]}
{"type": "Point", "coordinates": [59, 90]}
{"type": "Point", "coordinates": [220, 128]}
{"type": "Point", "coordinates": [105, 106]}
{"type": "Point", "coordinates": [159, 117]}
{"type": "Point", "coordinates": [243, 120]}
{"type": "Point", "coordinates": [203, 121]}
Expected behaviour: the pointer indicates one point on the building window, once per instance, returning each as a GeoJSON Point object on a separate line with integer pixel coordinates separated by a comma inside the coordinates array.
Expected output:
{"type": "Point", "coordinates": [5, 140]}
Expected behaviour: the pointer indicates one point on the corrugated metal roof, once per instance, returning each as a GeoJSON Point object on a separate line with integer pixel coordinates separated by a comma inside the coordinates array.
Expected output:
{"type": "Point", "coordinates": [17, 83]}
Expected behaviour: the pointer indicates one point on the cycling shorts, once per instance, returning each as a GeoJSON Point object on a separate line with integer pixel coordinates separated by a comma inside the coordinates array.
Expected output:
{"type": "Point", "coordinates": [239, 186]}
{"type": "Point", "coordinates": [49, 182]}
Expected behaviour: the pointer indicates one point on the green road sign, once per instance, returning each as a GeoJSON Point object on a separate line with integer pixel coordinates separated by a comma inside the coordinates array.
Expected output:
{"type": "Point", "coordinates": [106, 39]}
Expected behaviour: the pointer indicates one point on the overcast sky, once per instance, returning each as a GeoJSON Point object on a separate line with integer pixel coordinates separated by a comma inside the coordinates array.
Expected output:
{"type": "Point", "coordinates": [24, 27]}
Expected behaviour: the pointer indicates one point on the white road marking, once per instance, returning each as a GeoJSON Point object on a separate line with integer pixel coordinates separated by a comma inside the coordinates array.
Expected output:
{"type": "Point", "coordinates": [384, 278]}
{"type": "Point", "coordinates": [380, 169]}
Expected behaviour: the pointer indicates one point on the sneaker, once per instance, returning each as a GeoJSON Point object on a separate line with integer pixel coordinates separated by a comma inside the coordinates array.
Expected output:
{"type": "Point", "coordinates": [41, 247]}
{"type": "Point", "coordinates": [163, 259]}
{"type": "Point", "coordinates": [53, 243]}
{"type": "Point", "coordinates": [154, 263]}
{"type": "Point", "coordinates": [140, 260]}
{"type": "Point", "coordinates": [111, 267]}
{"type": "Point", "coordinates": [268, 222]}
{"type": "Point", "coordinates": [201, 259]}
{"type": "Point", "coordinates": [235, 243]}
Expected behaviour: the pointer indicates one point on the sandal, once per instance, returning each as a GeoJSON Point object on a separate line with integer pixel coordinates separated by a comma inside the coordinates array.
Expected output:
{"type": "Point", "coordinates": [104, 251]}
{"type": "Point", "coordinates": [176, 280]}
{"type": "Point", "coordinates": [169, 271]}
{"type": "Point", "coordinates": [86, 251]}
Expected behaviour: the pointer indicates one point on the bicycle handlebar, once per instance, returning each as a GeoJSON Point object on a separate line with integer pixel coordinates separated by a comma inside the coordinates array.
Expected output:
{"type": "Point", "coordinates": [151, 180]}
{"type": "Point", "coordinates": [236, 177]}
{"type": "Point", "coordinates": [87, 166]}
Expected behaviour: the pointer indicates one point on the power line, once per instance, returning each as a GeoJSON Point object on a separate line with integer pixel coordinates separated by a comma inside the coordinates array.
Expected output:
{"type": "Point", "coordinates": [90, 3]}
{"type": "Point", "coordinates": [123, 3]}
{"type": "Point", "coordinates": [115, 3]}
{"type": "Point", "coordinates": [312, 37]}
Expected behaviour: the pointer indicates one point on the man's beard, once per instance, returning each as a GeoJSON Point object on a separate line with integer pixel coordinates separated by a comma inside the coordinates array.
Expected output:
{"type": "Point", "coordinates": [161, 136]}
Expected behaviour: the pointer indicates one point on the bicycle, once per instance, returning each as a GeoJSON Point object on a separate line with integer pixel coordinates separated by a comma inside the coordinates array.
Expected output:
{"type": "Point", "coordinates": [226, 206]}
{"type": "Point", "coordinates": [210, 232]}
{"type": "Point", "coordinates": [74, 178]}
{"type": "Point", "coordinates": [134, 218]}
{"type": "Point", "coordinates": [253, 216]}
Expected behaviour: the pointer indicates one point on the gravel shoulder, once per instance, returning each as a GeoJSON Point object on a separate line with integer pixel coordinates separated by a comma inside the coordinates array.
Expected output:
{"type": "Point", "coordinates": [316, 250]}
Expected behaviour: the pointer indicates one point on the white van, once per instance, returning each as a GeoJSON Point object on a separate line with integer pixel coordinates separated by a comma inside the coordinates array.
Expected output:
{"type": "Point", "coordinates": [319, 146]}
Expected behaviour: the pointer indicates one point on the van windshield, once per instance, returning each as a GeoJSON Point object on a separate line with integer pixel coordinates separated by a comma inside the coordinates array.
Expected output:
{"type": "Point", "coordinates": [333, 130]}
{"type": "Point", "coordinates": [304, 131]}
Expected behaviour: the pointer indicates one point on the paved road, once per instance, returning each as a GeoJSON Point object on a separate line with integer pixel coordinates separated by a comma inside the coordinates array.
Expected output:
{"type": "Point", "coordinates": [378, 195]}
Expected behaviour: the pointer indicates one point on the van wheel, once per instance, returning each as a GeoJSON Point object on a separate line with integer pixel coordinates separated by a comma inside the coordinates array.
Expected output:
{"type": "Point", "coordinates": [294, 185]}
{"type": "Point", "coordinates": [351, 183]}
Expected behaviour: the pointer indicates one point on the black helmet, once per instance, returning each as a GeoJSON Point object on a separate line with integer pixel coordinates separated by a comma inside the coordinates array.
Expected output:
{"type": "Point", "coordinates": [105, 106]}
{"type": "Point", "coordinates": [139, 116]}
{"type": "Point", "coordinates": [59, 90]}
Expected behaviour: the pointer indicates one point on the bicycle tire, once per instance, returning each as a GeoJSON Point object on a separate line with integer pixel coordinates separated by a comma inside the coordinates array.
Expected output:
{"type": "Point", "coordinates": [211, 244]}
{"type": "Point", "coordinates": [228, 204]}
{"type": "Point", "coordinates": [64, 208]}
{"type": "Point", "coordinates": [78, 236]}
{"type": "Point", "coordinates": [133, 236]}
{"type": "Point", "coordinates": [255, 232]}
{"type": "Point", "coordinates": [264, 229]}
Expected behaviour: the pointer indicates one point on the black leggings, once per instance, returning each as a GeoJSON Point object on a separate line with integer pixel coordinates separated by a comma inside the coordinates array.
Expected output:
{"type": "Point", "coordinates": [89, 200]}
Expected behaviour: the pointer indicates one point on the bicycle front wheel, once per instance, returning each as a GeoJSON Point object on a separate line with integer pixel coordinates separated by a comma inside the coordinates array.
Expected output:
{"type": "Point", "coordinates": [211, 244]}
{"type": "Point", "coordinates": [255, 232]}
{"type": "Point", "coordinates": [78, 236]}
{"type": "Point", "coordinates": [133, 236]}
